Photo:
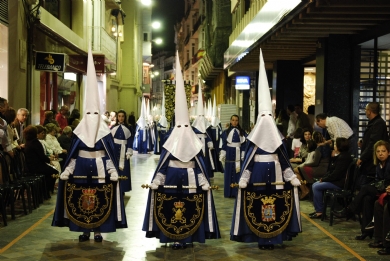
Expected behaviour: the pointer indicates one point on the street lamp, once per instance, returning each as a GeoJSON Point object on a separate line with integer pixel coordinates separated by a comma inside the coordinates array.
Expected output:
{"type": "Point", "coordinates": [156, 25]}
{"type": "Point", "coordinates": [146, 2]}
{"type": "Point", "coordinates": [158, 41]}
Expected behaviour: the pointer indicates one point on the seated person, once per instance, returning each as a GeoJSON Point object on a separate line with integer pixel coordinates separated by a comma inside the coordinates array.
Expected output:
{"type": "Point", "coordinates": [48, 151]}
{"type": "Point", "coordinates": [334, 177]}
{"type": "Point", "coordinates": [52, 142]}
{"type": "Point", "coordinates": [296, 142]}
{"type": "Point", "coordinates": [65, 139]}
{"type": "Point", "coordinates": [364, 201]}
{"type": "Point", "coordinates": [316, 166]}
{"type": "Point", "coordinates": [303, 150]}
{"type": "Point", "coordinates": [382, 224]}
{"type": "Point", "coordinates": [36, 159]}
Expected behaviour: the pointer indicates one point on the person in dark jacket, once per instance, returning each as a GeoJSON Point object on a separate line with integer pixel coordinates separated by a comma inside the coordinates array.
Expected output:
{"type": "Point", "coordinates": [376, 130]}
{"type": "Point", "coordinates": [66, 138]}
{"type": "Point", "coordinates": [335, 176]}
{"type": "Point", "coordinates": [36, 159]}
{"type": "Point", "coordinates": [364, 201]}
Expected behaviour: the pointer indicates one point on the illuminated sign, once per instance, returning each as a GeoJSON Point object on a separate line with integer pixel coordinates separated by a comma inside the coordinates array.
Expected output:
{"type": "Point", "coordinates": [243, 83]}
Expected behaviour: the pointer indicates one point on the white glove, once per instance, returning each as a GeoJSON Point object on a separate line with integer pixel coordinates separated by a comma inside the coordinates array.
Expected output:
{"type": "Point", "coordinates": [242, 155]}
{"type": "Point", "coordinates": [210, 145]}
{"type": "Point", "coordinates": [157, 181]}
{"type": "Point", "coordinates": [288, 174]}
{"type": "Point", "coordinates": [295, 182]}
{"type": "Point", "coordinates": [129, 153]}
{"type": "Point", "coordinates": [222, 156]}
{"type": "Point", "coordinates": [244, 180]}
{"type": "Point", "coordinates": [203, 182]}
{"type": "Point", "coordinates": [113, 174]}
{"type": "Point", "coordinates": [65, 175]}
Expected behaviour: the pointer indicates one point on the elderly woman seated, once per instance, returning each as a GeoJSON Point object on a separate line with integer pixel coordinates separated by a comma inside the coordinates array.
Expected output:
{"type": "Point", "coordinates": [316, 164]}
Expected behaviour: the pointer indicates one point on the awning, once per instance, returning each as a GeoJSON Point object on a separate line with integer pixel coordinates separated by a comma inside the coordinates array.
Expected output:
{"type": "Point", "coordinates": [296, 36]}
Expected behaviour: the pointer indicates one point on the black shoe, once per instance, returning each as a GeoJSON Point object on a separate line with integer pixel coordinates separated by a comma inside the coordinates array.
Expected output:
{"type": "Point", "coordinates": [376, 245]}
{"type": "Point", "coordinates": [312, 213]}
{"type": "Point", "coordinates": [364, 235]}
{"type": "Point", "coordinates": [385, 251]}
{"type": "Point", "coordinates": [270, 247]}
{"type": "Point", "coordinates": [177, 246]}
{"type": "Point", "coordinates": [316, 216]}
{"type": "Point", "coordinates": [262, 247]}
{"type": "Point", "coordinates": [83, 237]}
{"type": "Point", "coordinates": [388, 237]}
{"type": "Point", "coordinates": [370, 226]}
{"type": "Point", "coordinates": [98, 238]}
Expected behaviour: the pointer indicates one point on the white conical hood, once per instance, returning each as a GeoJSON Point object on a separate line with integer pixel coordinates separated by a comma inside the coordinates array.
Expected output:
{"type": "Point", "coordinates": [200, 123]}
{"type": "Point", "coordinates": [92, 126]}
{"type": "Point", "coordinates": [209, 109]}
{"type": "Point", "coordinates": [215, 121]}
{"type": "Point", "coordinates": [183, 142]}
{"type": "Point", "coordinates": [163, 120]}
{"type": "Point", "coordinates": [265, 134]}
{"type": "Point", "coordinates": [141, 121]}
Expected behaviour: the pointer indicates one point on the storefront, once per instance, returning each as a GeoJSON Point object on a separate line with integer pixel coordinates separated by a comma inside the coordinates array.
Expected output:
{"type": "Point", "coordinates": [4, 48]}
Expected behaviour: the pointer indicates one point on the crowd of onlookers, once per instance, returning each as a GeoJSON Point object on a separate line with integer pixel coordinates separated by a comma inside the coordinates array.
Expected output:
{"type": "Point", "coordinates": [322, 158]}
{"type": "Point", "coordinates": [322, 149]}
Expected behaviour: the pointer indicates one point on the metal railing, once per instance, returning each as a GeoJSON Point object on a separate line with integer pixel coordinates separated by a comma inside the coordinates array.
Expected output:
{"type": "Point", "coordinates": [103, 42]}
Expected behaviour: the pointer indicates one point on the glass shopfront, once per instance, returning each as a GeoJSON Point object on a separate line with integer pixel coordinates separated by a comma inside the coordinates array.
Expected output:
{"type": "Point", "coordinates": [3, 61]}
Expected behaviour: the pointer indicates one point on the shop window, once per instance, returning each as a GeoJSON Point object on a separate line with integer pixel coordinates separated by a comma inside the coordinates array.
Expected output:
{"type": "Point", "coordinates": [374, 82]}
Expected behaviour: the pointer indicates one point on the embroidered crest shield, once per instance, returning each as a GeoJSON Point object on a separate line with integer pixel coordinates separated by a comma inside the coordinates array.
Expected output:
{"type": "Point", "coordinates": [178, 216]}
{"type": "Point", "coordinates": [88, 206]}
{"type": "Point", "coordinates": [267, 213]}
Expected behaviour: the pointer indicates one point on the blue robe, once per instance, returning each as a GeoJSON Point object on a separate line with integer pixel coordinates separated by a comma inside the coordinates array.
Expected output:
{"type": "Point", "coordinates": [231, 173]}
{"type": "Point", "coordinates": [264, 172]}
{"type": "Point", "coordinates": [141, 145]}
{"type": "Point", "coordinates": [216, 133]}
{"type": "Point", "coordinates": [207, 152]}
{"type": "Point", "coordinates": [123, 140]}
{"type": "Point", "coordinates": [209, 226]}
{"type": "Point", "coordinates": [160, 133]}
{"type": "Point", "coordinates": [83, 166]}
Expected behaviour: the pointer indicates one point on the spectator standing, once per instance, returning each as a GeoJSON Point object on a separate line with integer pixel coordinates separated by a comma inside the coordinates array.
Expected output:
{"type": "Point", "coordinates": [61, 117]}
{"type": "Point", "coordinates": [337, 128]}
{"type": "Point", "coordinates": [18, 126]}
{"type": "Point", "coordinates": [3, 107]}
{"type": "Point", "coordinates": [132, 120]}
{"type": "Point", "coordinates": [376, 130]}
{"type": "Point", "coordinates": [49, 118]}
{"type": "Point", "coordinates": [291, 127]}
{"type": "Point", "coordinates": [303, 120]}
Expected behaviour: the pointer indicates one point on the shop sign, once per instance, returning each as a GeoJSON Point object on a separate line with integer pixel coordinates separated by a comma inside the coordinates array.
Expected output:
{"type": "Point", "coordinates": [243, 83]}
{"type": "Point", "coordinates": [52, 62]}
{"type": "Point", "coordinates": [78, 63]}
{"type": "Point", "coordinates": [99, 63]}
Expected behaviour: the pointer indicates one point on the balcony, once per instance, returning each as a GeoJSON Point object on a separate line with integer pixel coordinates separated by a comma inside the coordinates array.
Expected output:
{"type": "Point", "coordinates": [187, 39]}
{"type": "Point", "coordinates": [198, 23]}
{"type": "Point", "coordinates": [187, 65]}
{"type": "Point", "coordinates": [103, 42]}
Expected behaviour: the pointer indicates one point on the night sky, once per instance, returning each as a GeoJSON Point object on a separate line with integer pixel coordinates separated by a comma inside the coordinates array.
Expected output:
{"type": "Point", "coordinates": [168, 12]}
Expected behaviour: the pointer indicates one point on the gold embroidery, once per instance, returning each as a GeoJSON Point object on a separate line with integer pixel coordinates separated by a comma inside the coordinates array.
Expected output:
{"type": "Point", "coordinates": [88, 211]}
{"type": "Point", "coordinates": [267, 213]}
{"type": "Point", "coordinates": [178, 226]}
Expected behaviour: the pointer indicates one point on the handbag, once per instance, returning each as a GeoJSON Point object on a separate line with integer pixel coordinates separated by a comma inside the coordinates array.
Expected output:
{"type": "Point", "coordinates": [379, 185]}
